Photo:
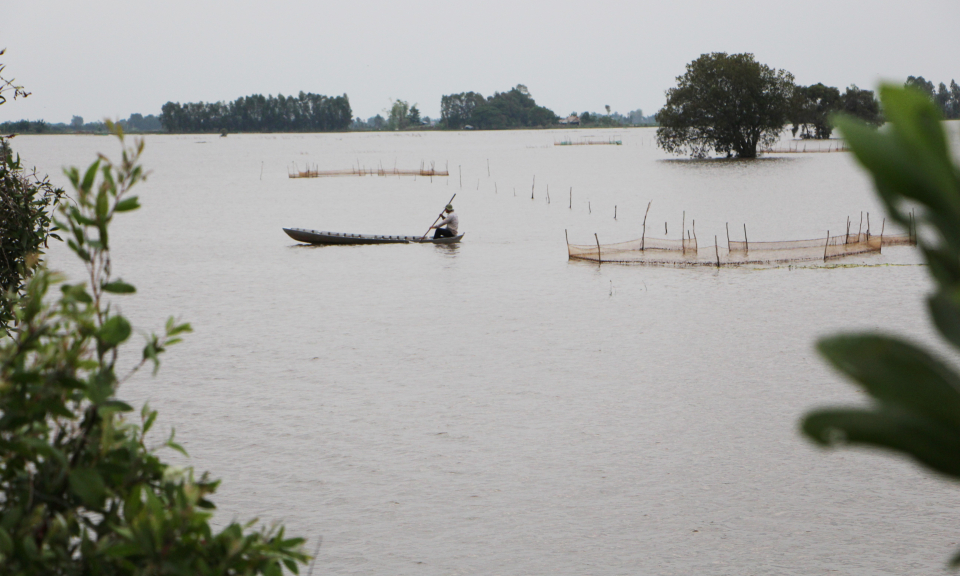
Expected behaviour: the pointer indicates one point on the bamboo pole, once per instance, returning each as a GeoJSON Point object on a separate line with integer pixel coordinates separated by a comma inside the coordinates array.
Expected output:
{"type": "Point", "coordinates": [533, 186]}
{"type": "Point", "coordinates": [825, 246]}
{"type": "Point", "coordinates": [571, 198]}
{"type": "Point", "coordinates": [488, 167]}
{"type": "Point", "coordinates": [567, 237]}
{"type": "Point", "coordinates": [589, 208]}
{"type": "Point", "coordinates": [868, 224]}
{"type": "Point", "coordinates": [599, 255]}
{"type": "Point", "coordinates": [460, 167]}
{"type": "Point", "coordinates": [860, 231]}
{"type": "Point", "coordinates": [882, 227]}
{"type": "Point", "coordinates": [614, 211]}
{"type": "Point", "coordinates": [728, 236]}
{"type": "Point", "coordinates": [746, 241]}
{"type": "Point", "coordinates": [643, 236]}
{"type": "Point", "coordinates": [717, 250]}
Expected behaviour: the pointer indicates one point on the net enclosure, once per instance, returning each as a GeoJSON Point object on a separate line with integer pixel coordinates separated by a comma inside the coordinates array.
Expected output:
{"type": "Point", "coordinates": [686, 252]}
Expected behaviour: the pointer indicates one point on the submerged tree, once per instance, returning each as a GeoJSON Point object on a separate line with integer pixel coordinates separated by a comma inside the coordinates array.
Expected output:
{"type": "Point", "coordinates": [729, 104]}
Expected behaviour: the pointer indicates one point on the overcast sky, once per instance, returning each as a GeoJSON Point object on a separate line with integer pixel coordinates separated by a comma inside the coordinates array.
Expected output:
{"type": "Point", "coordinates": [103, 58]}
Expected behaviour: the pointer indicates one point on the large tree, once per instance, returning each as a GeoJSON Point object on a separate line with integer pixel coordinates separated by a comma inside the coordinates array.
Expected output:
{"type": "Point", "coordinates": [730, 104]}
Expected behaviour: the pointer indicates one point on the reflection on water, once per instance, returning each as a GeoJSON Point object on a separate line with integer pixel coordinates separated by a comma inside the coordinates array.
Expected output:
{"type": "Point", "coordinates": [491, 407]}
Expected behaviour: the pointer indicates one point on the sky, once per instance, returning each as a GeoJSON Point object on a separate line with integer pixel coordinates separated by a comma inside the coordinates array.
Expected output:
{"type": "Point", "coordinates": [108, 59]}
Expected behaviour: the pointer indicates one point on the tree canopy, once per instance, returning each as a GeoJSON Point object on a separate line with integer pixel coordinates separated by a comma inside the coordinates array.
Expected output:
{"type": "Point", "coordinates": [812, 107]}
{"type": "Point", "coordinates": [514, 108]}
{"type": "Point", "coordinates": [729, 104]}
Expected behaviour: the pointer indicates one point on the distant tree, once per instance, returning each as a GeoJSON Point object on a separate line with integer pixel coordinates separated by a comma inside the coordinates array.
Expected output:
{"type": "Point", "coordinates": [76, 122]}
{"type": "Point", "coordinates": [861, 104]}
{"type": "Point", "coordinates": [456, 110]}
{"type": "Point", "coordinates": [810, 110]}
{"type": "Point", "coordinates": [920, 83]}
{"type": "Point", "coordinates": [514, 108]}
{"type": "Point", "coordinates": [378, 122]}
{"type": "Point", "coordinates": [413, 117]}
{"type": "Point", "coordinates": [607, 107]}
{"type": "Point", "coordinates": [587, 119]}
{"type": "Point", "coordinates": [730, 104]}
{"type": "Point", "coordinates": [398, 116]}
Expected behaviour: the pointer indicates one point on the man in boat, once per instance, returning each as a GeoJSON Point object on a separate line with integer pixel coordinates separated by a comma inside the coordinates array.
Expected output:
{"type": "Point", "coordinates": [450, 220]}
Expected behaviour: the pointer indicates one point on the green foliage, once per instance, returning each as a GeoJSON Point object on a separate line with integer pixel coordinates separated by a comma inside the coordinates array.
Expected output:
{"type": "Point", "coordinates": [27, 202]}
{"type": "Point", "coordinates": [512, 109]}
{"type": "Point", "coordinates": [80, 490]}
{"type": "Point", "coordinates": [730, 104]}
{"type": "Point", "coordinates": [306, 112]}
{"type": "Point", "coordinates": [26, 205]}
{"type": "Point", "coordinates": [915, 407]}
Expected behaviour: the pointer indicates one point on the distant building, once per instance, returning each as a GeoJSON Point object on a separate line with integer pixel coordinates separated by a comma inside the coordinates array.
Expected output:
{"type": "Point", "coordinates": [571, 120]}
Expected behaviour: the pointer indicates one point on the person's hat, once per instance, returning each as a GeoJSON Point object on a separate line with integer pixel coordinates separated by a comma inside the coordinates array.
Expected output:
{"type": "Point", "coordinates": [449, 208]}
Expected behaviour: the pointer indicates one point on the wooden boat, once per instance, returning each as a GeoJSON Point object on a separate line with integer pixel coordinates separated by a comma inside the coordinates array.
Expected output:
{"type": "Point", "coordinates": [317, 237]}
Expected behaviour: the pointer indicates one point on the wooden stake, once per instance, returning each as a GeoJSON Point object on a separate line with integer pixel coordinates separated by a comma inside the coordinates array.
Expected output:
{"type": "Point", "coordinates": [683, 226]}
{"type": "Point", "coordinates": [488, 167]}
{"type": "Point", "coordinates": [868, 224]}
{"type": "Point", "coordinates": [589, 208]}
{"type": "Point", "coordinates": [860, 231]}
{"type": "Point", "coordinates": [567, 237]}
{"type": "Point", "coordinates": [571, 198]}
{"type": "Point", "coordinates": [746, 242]}
{"type": "Point", "coordinates": [534, 186]}
{"type": "Point", "coordinates": [614, 211]}
{"type": "Point", "coordinates": [717, 250]}
{"type": "Point", "coordinates": [461, 176]}
{"type": "Point", "coordinates": [728, 236]}
{"type": "Point", "coordinates": [825, 246]}
{"type": "Point", "coordinates": [599, 255]}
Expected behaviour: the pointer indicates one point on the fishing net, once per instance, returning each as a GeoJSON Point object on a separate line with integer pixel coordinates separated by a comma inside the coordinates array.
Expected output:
{"type": "Point", "coordinates": [676, 252]}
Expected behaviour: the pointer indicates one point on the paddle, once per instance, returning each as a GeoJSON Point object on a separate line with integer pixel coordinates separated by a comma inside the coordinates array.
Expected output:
{"type": "Point", "coordinates": [437, 220]}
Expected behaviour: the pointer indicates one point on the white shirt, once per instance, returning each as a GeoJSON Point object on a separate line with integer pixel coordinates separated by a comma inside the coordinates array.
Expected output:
{"type": "Point", "coordinates": [452, 221]}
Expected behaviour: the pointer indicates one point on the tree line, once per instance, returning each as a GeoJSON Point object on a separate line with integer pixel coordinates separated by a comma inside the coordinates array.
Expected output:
{"type": "Point", "coordinates": [135, 123]}
{"type": "Point", "coordinates": [947, 99]}
{"type": "Point", "coordinates": [306, 112]}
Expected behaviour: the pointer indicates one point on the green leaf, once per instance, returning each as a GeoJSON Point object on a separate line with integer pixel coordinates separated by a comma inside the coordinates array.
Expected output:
{"type": "Point", "coordinates": [127, 204]}
{"type": "Point", "coordinates": [115, 330]}
{"type": "Point", "coordinates": [88, 485]}
{"type": "Point", "coordinates": [926, 441]}
{"type": "Point", "coordinates": [89, 176]}
{"type": "Point", "coordinates": [945, 311]}
{"type": "Point", "coordinates": [118, 287]}
{"type": "Point", "coordinates": [111, 406]}
{"type": "Point", "coordinates": [897, 373]}
{"type": "Point", "coordinates": [6, 543]}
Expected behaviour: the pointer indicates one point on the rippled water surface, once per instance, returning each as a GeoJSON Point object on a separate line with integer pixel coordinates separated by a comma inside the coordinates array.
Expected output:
{"type": "Point", "coordinates": [493, 408]}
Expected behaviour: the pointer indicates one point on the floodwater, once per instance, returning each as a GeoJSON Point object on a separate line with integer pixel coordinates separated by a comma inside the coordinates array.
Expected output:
{"type": "Point", "coordinates": [493, 408]}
